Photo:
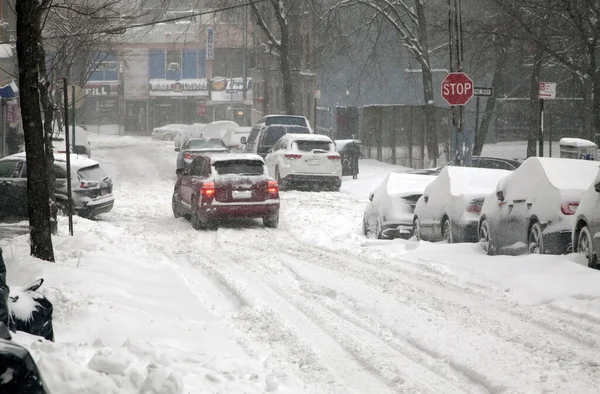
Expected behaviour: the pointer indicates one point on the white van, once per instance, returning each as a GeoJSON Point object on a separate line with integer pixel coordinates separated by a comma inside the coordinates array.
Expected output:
{"type": "Point", "coordinates": [236, 138]}
{"type": "Point", "coordinates": [78, 140]}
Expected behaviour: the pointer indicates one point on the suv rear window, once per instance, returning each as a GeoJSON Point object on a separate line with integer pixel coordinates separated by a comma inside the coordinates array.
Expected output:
{"type": "Point", "coordinates": [206, 144]}
{"type": "Point", "coordinates": [289, 120]}
{"type": "Point", "coordinates": [93, 173]}
{"type": "Point", "coordinates": [308, 146]}
{"type": "Point", "coordinates": [239, 167]}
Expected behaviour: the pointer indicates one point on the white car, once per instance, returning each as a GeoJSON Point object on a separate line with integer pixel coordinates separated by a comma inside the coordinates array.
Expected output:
{"type": "Point", "coordinates": [532, 210]}
{"type": "Point", "coordinates": [586, 232]}
{"type": "Point", "coordinates": [184, 134]}
{"type": "Point", "coordinates": [449, 208]}
{"type": "Point", "coordinates": [168, 132]}
{"type": "Point", "coordinates": [391, 206]}
{"type": "Point", "coordinates": [216, 129]}
{"type": "Point", "coordinates": [236, 138]}
{"type": "Point", "coordinates": [305, 160]}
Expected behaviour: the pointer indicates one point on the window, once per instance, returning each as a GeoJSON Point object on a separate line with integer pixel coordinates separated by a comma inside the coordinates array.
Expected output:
{"type": "Point", "coordinates": [287, 120]}
{"type": "Point", "coordinates": [253, 134]}
{"type": "Point", "coordinates": [239, 167]}
{"type": "Point", "coordinates": [174, 59]}
{"type": "Point", "coordinates": [309, 146]}
{"type": "Point", "coordinates": [93, 173]}
{"type": "Point", "coordinates": [197, 166]}
{"type": "Point", "coordinates": [10, 169]}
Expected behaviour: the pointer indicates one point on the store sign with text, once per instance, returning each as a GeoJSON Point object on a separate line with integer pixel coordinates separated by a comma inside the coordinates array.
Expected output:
{"type": "Point", "coordinates": [97, 89]}
{"type": "Point", "coordinates": [194, 87]}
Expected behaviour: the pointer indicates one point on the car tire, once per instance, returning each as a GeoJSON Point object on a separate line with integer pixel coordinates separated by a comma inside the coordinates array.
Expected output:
{"type": "Point", "coordinates": [271, 221]}
{"type": "Point", "coordinates": [195, 218]}
{"type": "Point", "coordinates": [585, 246]}
{"type": "Point", "coordinates": [486, 236]}
{"type": "Point", "coordinates": [167, 137]}
{"type": "Point", "coordinates": [379, 230]}
{"type": "Point", "coordinates": [447, 231]}
{"type": "Point", "coordinates": [176, 206]}
{"type": "Point", "coordinates": [282, 186]}
{"type": "Point", "coordinates": [365, 227]}
{"type": "Point", "coordinates": [535, 239]}
{"type": "Point", "coordinates": [417, 229]}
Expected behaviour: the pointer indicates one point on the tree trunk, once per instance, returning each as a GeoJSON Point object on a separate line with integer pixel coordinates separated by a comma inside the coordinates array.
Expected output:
{"type": "Point", "coordinates": [490, 105]}
{"type": "Point", "coordinates": [534, 103]}
{"type": "Point", "coordinates": [595, 77]}
{"type": "Point", "coordinates": [28, 40]}
{"type": "Point", "coordinates": [423, 57]}
{"type": "Point", "coordinates": [286, 71]}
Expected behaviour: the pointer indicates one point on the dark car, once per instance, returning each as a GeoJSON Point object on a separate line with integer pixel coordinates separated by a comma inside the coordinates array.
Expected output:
{"type": "Point", "coordinates": [263, 138]}
{"type": "Point", "coordinates": [494, 163]}
{"type": "Point", "coordinates": [196, 146]}
{"type": "Point", "coordinates": [226, 186]}
{"type": "Point", "coordinates": [91, 186]}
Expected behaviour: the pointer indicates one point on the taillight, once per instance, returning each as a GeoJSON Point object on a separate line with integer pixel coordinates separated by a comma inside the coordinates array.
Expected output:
{"type": "Point", "coordinates": [273, 189]}
{"type": "Point", "coordinates": [569, 208]}
{"type": "Point", "coordinates": [208, 189]}
{"type": "Point", "coordinates": [187, 156]}
{"type": "Point", "coordinates": [87, 185]}
{"type": "Point", "coordinates": [333, 157]}
{"type": "Point", "coordinates": [475, 206]}
{"type": "Point", "coordinates": [291, 156]}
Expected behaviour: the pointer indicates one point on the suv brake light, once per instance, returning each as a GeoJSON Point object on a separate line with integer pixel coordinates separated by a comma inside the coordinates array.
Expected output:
{"type": "Point", "coordinates": [273, 189]}
{"type": "Point", "coordinates": [475, 206]}
{"type": "Point", "coordinates": [187, 156]}
{"type": "Point", "coordinates": [292, 156]}
{"type": "Point", "coordinates": [87, 184]}
{"type": "Point", "coordinates": [208, 189]}
{"type": "Point", "coordinates": [333, 157]}
{"type": "Point", "coordinates": [569, 208]}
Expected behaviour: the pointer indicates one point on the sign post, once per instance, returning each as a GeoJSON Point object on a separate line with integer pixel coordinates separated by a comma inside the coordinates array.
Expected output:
{"type": "Point", "coordinates": [547, 91]}
{"type": "Point", "coordinates": [480, 92]}
{"type": "Point", "coordinates": [457, 90]}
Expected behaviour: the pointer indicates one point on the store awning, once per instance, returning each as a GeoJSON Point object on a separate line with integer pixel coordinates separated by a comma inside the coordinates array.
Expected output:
{"type": "Point", "coordinates": [9, 91]}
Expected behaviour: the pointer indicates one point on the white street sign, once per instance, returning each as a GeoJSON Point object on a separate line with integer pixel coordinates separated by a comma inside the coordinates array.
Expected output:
{"type": "Point", "coordinates": [547, 90]}
{"type": "Point", "coordinates": [318, 94]}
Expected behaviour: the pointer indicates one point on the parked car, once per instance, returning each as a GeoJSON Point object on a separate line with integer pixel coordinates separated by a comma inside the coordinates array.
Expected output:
{"type": "Point", "coordinates": [532, 210]}
{"type": "Point", "coordinates": [59, 145]}
{"type": "Point", "coordinates": [78, 140]}
{"type": "Point", "coordinates": [236, 138]}
{"type": "Point", "coordinates": [308, 160]}
{"type": "Point", "coordinates": [168, 132]}
{"type": "Point", "coordinates": [449, 208]}
{"type": "Point", "coordinates": [184, 134]}
{"type": "Point", "coordinates": [390, 211]}
{"type": "Point", "coordinates": [216, 129]}
{"type": "Point", "coordinates": [496, 163]}
{"type": "Point", "coordinates": [262, 138]}
{"type": "Point", "coordinates": [91, 186]}
{"type": "Point", "coordinates": [288, 120]}
{"type": "Point", "coordinates": [226, 186]}
{"type": "Point", "coordinates": [196, 146]}
{"type": "Point", "coordinates": [586, 232]}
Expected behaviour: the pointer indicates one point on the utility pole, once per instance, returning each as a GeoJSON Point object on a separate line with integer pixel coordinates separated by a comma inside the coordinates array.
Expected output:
{"type": "Point", "coordinates": [245, 71]}
{"type": "Point", "coordinates": [455, 43]}
{"type": "Point", "coordinates": [68, 153]}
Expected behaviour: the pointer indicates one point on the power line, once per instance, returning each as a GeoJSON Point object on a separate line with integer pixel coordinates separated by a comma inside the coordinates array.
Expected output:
{"type": "Point", "coordinates": [122, 29]}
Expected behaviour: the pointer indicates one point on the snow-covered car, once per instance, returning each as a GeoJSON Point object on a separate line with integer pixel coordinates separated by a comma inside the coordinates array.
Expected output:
{"type": "Point", "coordinates": [495, 163]}
{"type": "Point", "coordinates": [449, 208]}
{"type": "Point", "coordinates": [586, 233]}
{"type": "Point", "coordinates": [196, 146]}
{"type": "Point", "coordinates": [236, 138]}
{"type": "Point", "coordinates": [390, 211]}
{"type": "Point", "coordinates": [184, 134]}
{"type": "Point", "coordinates": [78, 140]}
{"type": "Point", "coordinates": [216, 129]}
{"type": "Point", "coordinates": [168, 132]}
{"type": "Point", "coordinates": [305, 160]}
{"type": "Point", "coordinates": [532, 210]}
{"type": "Point", "coordinates": [59, 145]}
{"type": "Point", "coordinates": [288, 120]}
{"type": "Point", "coordinates": [226, 186]}
{"type": "Point", "coordinates": [90, 185]}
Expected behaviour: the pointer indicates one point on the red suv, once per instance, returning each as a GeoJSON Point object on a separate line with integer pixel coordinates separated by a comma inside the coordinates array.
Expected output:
{"type": "Point", "coordinates": [226, 186]}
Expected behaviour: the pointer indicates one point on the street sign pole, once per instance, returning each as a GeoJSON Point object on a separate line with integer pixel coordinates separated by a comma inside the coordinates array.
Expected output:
{"type": "Point", "coordinates": [547, 91]}
{"type": "Point", "coordinates": [68, 153]}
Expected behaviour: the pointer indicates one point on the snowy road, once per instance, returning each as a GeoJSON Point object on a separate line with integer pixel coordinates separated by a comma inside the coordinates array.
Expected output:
{"type": "Point", "coordinates": [330, 311]}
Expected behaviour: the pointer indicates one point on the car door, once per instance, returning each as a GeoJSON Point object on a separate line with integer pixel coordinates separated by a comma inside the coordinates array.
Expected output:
{"type": "Point", "coordinates": [271, 158]}
{"type": "Point", "coordinates": [514, 212]}
{"type": "Point", "coordinates": [252, 139]}
{"type": "Point", "coordinates": [425, 214]}
{"type": "Point", "coordinates": [13, 188]}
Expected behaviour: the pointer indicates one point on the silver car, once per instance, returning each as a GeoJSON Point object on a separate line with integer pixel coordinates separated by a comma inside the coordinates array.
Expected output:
{"type": "Point", "coordinates": [196, 146]}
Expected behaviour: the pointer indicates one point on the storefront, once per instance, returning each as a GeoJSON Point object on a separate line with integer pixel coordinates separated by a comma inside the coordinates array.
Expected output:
{"type": "Point", "coordinates": [181, 101]}
{"type": "Point", "coordinates": [227, 100]}
{"type": "Point", "coordinates": [102, 110]}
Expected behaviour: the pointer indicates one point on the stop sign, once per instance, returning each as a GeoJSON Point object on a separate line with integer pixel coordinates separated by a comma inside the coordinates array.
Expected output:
{"type": "Point", "coordinates": [457, 88]}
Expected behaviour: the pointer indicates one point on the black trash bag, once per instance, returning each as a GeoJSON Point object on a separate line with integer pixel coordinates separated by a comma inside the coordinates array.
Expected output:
{"type": "Point", "coordinates": [18, 371]}
{"type": "Point", "coordinates": [32, 311]}
{"type": "Point", "coordinates": [5, 316]}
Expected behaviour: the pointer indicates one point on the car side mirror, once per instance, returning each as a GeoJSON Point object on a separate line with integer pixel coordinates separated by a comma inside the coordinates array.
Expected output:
{"type": "Point", "coordinates": [371, 197]}
{"type": "Point", "coordinates": [243, 140]}
{"type": "Point", "coordinates": [177, 149]}
{"type": "Point", "coordinates": [426, 198]}
{"type": "Point", "coordinates": [500, 195]}
{"type": "Point", "coordinates": [597, 187]}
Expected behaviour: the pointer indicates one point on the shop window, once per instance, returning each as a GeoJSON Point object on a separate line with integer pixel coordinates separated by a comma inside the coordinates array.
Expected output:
{"type": "Point", "coordinates": [173, 64]}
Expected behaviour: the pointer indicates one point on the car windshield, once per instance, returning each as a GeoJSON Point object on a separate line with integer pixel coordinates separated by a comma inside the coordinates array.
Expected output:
{"type": "Point", "coordinates": [308, 146]}
{"type": "Point", "coordinates": [93, 173]}
{"type": "Point", "coordinates": [239, 167]}
{"type": "Point", "coordinates": [206, 144]}
{"type": "Point", "coordinates": [287, 120]}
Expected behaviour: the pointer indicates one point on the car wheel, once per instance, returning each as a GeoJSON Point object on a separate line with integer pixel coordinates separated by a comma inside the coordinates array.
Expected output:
{"type": "Point", "coordinates": [365, 227]}
{"type": "Point", "coordinates": [417, 229]}
{"type": "Point", "coordinates": [535, 239]}
{"type": "Point", "coordinates": [175, 205]}
{"type": "Point", "coordinates": [586, 247]}
{"type": "Point", "coordinates": [271, 221]}
{"type": "Point", "coordinates": [485, 237]}
{"type": "Point", "coordinates": [167, 137]}
{"type": "Point", "coordinates": [379, 230]}
{"type": "Point", "coordinates": [447, 231]}
{"type": "Point", "coordinates": [195, 218]}
{"type": "Point", "coordinates": [282, 186]}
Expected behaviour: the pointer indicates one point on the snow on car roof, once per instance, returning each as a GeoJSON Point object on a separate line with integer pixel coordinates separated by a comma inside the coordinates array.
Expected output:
{"type": "Point", "coordinates": [578, 142]}
{"type": "Point", "coordinates": [469, 180]}
{"type": "Point", "coordinates": [568, 174]}
{"type": "Point", "coordinates": [216, 157]}
{"type": "Point", "coordinates": [308, 137]}
{"type": "Point", "coordinates": [405, 184]}
{"type": "Point", "coordinates": [77, 161]}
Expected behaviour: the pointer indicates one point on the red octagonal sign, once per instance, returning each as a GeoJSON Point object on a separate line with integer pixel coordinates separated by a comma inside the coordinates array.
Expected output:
{"type": "Point", "coordinates": [457, 89]}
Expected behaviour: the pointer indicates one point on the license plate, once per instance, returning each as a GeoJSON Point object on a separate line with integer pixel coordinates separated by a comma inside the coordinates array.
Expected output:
{"type": "Point", "coordinates": [103, 192]}
{"type": "Point", "coordinates": [242, 193]}
{"type": "Point", "coordinates": [313, 162]}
